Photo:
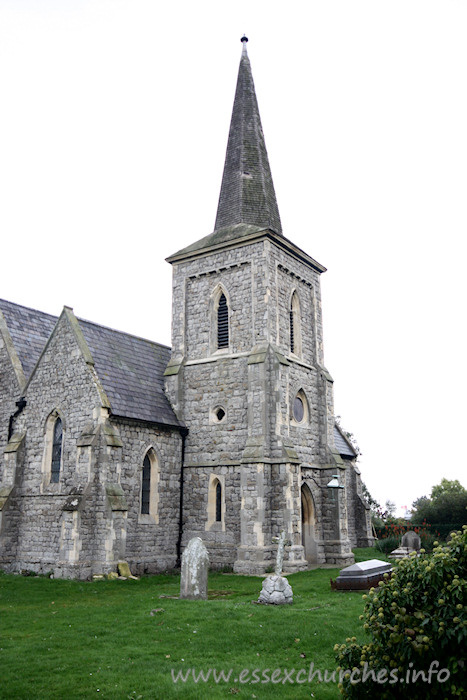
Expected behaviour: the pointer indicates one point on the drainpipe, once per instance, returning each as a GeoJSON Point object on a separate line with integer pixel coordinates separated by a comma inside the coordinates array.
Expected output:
{"type": "Point", "coordinates": [183, 433]}
{"type": "Point", "coordinates": [21, 405]}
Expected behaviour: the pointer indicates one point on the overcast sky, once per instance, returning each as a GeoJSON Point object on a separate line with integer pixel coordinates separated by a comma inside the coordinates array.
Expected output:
{"type": "Point", "coordinates": [113, 126]}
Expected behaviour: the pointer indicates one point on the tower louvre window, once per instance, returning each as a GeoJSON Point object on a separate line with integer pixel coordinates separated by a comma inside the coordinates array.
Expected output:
{"type": "Point", "coordinates": [56, 451]}
{"type": "Point", "coordinates": [146, 486]}
{"type": "Point", "coordinates": [292, 341]}
{"type": "Point", "coordinates": [222, 323]}
{"type": "Point", "coordinates": [295, 325]}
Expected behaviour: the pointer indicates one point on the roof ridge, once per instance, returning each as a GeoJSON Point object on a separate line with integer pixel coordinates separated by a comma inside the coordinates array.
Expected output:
{"type": "Point", "coordinates": [116, 330]}
{"type": "Point", "coordinates": [29, 308]}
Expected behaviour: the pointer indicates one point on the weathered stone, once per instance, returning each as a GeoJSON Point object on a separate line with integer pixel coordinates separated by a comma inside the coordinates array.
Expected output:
{"type": "Point", "coordinates": [411, 540]}
{"type": "Point", "coordinates": [276, 591]}
{"type": "Point", "coordinates": [400, 553]}
{"type": "Point", "coordinates": [123, 569]}
{"type": "Point", "coordinates": [194, 573]}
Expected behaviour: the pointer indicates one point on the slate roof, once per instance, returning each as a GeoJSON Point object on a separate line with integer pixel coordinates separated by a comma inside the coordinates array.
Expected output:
{"type": "Point", "coordinates": [29, 330]}
{"type": "Point", "coordinates": [343, 445]}
{"type": "Point", "coordinates": [131, 371]}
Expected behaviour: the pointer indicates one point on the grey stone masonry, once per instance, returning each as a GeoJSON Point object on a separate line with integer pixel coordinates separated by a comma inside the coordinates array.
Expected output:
{"type": "Point", "coordinates": [276, 590]}
{"type": "Point", "coordinates": [62, 383]}
{"type": "Point", "coordinates": [90, 518]}
{"type": "Point", "coordinates": [254, 381]}
{"type": "Point", "coordinates": [116, 448]}
{"type": "Point", "coordinates": [10, 392]}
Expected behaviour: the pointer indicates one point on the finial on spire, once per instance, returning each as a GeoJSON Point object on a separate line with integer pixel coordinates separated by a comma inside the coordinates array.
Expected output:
{"type": "Point", "coordinates": [244, 40]}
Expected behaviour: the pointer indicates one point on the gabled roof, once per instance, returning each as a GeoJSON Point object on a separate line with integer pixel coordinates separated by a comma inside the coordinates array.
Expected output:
{"type": "Point", "coordinates": [29, 330]}
{"type": "Point", "coordinates": [129, 368]}
{"type": "Point", "coordinates": [343, 445]}
{"type": "Point", "coordinates": [131, 371]}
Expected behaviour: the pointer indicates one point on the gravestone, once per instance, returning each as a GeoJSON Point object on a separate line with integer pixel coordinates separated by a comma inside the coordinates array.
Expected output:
{"type": "Point", "coordinates": [276, 589]}
{"type": "Point", "coordinates": [124, 570]}
{"type": "Point", "coordinates": [194, 574]}
{"type": "Point", "coordinates": [400, 553]}
{"type": "Point", "coordinates": [411, 540]}
{"type": "Point", "coordinates": [361, 576]}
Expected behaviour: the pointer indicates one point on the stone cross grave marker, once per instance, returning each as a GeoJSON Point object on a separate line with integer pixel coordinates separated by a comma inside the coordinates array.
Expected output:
{"type": "Point", "coordinates": [281, 543]}
{"type": "Point", "coordinates": [194, 573]}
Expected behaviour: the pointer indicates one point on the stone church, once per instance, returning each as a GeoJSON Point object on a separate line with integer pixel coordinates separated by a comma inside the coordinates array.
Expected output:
{"type": "Point", "coordinates": [114, 447]}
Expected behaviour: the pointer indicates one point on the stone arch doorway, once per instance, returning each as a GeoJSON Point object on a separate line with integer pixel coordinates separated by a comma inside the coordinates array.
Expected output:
{"type": "Point", "coordinates": [308, 526]}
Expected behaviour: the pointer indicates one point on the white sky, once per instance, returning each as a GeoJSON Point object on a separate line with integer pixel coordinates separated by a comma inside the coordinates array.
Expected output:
{"type": "Point", "coordinates": [113, 126]}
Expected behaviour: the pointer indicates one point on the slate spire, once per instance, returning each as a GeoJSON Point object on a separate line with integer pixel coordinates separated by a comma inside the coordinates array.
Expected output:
{"type": "Point", "coordinates": [247, 192]}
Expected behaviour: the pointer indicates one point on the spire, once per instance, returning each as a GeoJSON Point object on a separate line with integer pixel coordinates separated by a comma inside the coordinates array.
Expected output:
{"type": "Point", "coordinates": [247, 192]}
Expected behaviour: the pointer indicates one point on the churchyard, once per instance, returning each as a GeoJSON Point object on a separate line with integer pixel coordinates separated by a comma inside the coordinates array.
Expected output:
{"type": "Point", "coordinates": [129, 639]}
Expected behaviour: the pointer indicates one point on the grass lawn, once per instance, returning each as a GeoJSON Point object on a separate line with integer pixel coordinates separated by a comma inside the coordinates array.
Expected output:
{"type": "Point", "coordinates": [73, 639]}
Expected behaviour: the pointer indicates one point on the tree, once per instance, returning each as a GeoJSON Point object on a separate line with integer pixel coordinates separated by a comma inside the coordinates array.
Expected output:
{"type": "Point", "coordinates": [379, 515]}
{"type": "Point", "coordinates": [446, 504]}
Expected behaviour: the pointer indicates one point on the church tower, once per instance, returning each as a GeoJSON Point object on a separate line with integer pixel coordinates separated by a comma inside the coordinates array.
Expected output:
{"type": "Point", "coordinates": [247, 376]}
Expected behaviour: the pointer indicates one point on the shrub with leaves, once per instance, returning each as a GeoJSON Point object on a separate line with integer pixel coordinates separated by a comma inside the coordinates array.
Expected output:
{"type": "Point", "coordinates": [387, 544]}
{"type": "Point", "coordinates": [416, 620]}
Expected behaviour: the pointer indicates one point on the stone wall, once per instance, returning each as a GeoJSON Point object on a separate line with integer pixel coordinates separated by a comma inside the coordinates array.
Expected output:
{"type": "Point", "coordinates": [91, 518]}
{"type": "Point", "coordinates": [254, 381]}
{"type": "Point", "coordinates": [9, 394]}
{"type": "Point", "coordinates": [360, 533]}
{"type": "Point", "coordinates": [63, 383]}
{"type": "Point", "coordinates": [151, 541]}
{"type": "Point", "coordinates": [259, 280]}
{"type": "Point", "coordinates": [238, 405]}
{"type": "Point", "coordinates": [220, 538]}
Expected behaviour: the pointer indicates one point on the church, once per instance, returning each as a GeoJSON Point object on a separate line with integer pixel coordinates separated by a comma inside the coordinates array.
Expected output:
{"type": "Point", "coordinates": [113, 447]}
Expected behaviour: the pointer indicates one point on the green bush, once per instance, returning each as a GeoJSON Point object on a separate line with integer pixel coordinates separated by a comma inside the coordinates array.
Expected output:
{"type": "Point", "coordinates": [417, 627]}
{"type": "Point", "coordinates": [387, 545]}
{"type": "Point", "coordinates": [444, 530]}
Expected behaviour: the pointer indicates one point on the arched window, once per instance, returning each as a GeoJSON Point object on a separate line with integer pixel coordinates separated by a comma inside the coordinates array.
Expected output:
{"type": "Point", "coordinates": [218, 502]}
{"type": "Point", "coordinates": [53, 454]}
{"type": "Point", "coordinates": [294, 325]}
{"type": "Point", "coordinates": [149, 503]}
{"type": "Point", "coordinates": [222, 323]}
{"type": "Point", "coordinates": [146, 487]}
{"type": "Point", "coordinates": [56, 451]}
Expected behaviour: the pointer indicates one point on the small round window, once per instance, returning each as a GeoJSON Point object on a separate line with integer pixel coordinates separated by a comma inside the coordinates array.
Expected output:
{"type": "Point", "coordinates": [298, 409]}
